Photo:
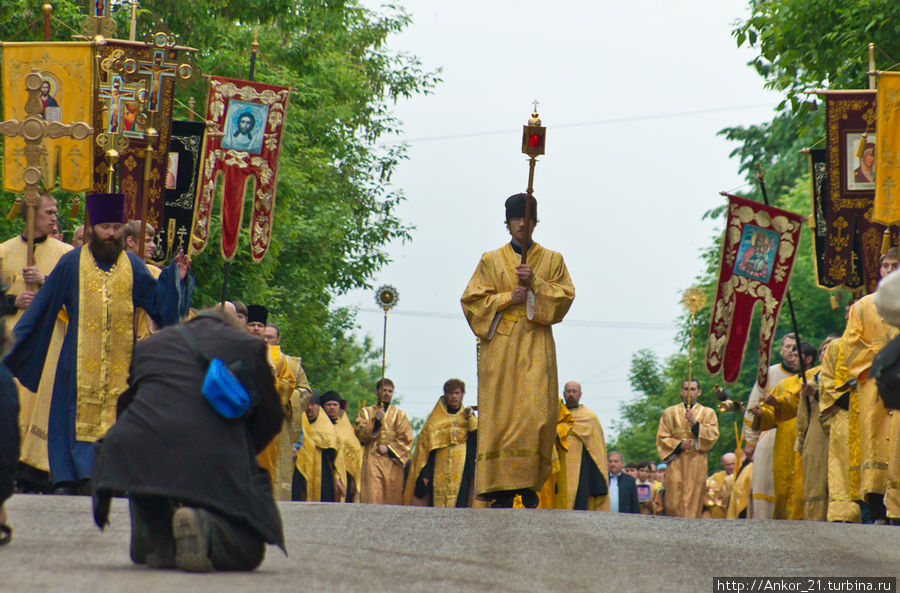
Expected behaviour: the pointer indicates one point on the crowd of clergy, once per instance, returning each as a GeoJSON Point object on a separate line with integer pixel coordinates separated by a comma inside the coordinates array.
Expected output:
{"type": "Point", "coordinates": [819, 446]}
{"type": "Point", "coordinates": [818, 442]}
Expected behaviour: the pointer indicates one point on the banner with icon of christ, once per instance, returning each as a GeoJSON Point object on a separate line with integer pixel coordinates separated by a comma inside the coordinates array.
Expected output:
{"type": "Point", "coordinates": [243, 140]}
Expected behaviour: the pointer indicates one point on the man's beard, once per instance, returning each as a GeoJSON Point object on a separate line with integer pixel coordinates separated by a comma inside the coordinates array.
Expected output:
{"type": "Point", "coordinates": [106, 251]}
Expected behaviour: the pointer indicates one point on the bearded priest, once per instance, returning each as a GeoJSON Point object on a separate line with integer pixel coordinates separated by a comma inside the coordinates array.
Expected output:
{"type": "Point", "coordinates": [100, 285]}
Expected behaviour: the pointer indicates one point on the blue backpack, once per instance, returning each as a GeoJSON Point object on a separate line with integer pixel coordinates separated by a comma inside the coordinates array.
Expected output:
{"type": "Point", "coordinates": [228, 388]}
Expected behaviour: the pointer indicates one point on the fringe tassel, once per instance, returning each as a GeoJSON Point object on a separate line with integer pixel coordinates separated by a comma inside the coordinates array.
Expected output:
{"type": "Point", "coordinates": [834, 302]}
{"type": "Point", "coordinates": [76, 207]}
{"type": "Point", "coordinates": [14, 211]}
{"type": "Point", "coordinates": [861, 147]}
{"type": "Point", "coordinates": [885, 241]}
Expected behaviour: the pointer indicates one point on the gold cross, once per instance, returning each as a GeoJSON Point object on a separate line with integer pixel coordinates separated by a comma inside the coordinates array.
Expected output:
{"type": "Point", "coordinates": [99, 20]}
{"type": "Point", "coordinates": [34, 128]}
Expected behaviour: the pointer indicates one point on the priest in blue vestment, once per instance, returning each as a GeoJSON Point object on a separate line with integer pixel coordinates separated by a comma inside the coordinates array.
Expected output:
{"type": "Point", "coordinates": [97, 287]}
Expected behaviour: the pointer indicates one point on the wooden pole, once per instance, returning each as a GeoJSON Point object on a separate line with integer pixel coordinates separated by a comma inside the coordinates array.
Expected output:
{"type": "Point", "coordinates": [152, 136]}
{"type": "Point", "coordinates": [47, 9]}
{"type": "Point", "coordinates": [254, 48]}
{"type": "Point", "coordinates": [760, 178]}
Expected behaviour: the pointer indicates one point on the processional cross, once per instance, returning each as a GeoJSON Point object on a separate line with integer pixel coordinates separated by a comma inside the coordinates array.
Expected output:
{"type": "Point", "coordinates": [34, 129]}
{"type": "Point", "coordinates": [99, 21]}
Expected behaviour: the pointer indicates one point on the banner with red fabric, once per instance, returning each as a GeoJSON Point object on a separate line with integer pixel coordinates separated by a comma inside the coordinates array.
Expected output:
{"type": "Point", "coordinates": [757, 257]}
{"type": "Point", "coordinates": [245, 120]}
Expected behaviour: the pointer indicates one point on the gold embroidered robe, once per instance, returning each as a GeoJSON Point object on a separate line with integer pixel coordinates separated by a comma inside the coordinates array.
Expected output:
{"type": "Point", "coordinates": [842, 427]}
{"type": "Point", "coordinates": [352, 453]}
{"type": "Point", "coordinates": [718, 490]}
{"type": "Point", "coordinates": [762, 492]}
{"type": "Point", "coordinates": [293, 388]}
{"type": "Point", "coordinates": [445, 434]}
{"type": "Point", "coordinates": [786, 462]}
{"type": "Point", "coordinates": [586, 436]}
{"type": "Point", "coordinates": [812, 445]}
{"type": "Point", "coordinates": [865, 335]}
{"type": "Point", "coordinates": [517, 380]}
{"type": "Point", "coordinates": [318, 437]}
{"type": "Point", "coordinates": [381, 481]}
{"type": "Point", "coordinates": [143, 325]}
{"type": "Point", "coordinates": [34, 407]}
{"type": "Point", "coordinates": [739, 501]}
{"type": "Point", "coordinates": [554, 491]}
{"type": "Point", "coordinates": [685, 480]}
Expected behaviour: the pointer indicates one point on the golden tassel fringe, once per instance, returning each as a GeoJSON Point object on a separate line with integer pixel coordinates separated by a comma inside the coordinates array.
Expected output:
{"type": "Point", "coordinates": [834, 302]}
{"type": "Point", "coordinates": [14, 211]}
{"type": "Point", "coordinates": [885, 241]}
{"type": "Point", "coordinates": [76, 207]}
{"type": "Point", "coordinates": [861, 147]}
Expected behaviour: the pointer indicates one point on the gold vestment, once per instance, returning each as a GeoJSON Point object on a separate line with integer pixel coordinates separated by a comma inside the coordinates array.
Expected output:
{"type": "Point", "coordinates": [319, 436]}
{"type": "Point", "coordinates": [842, 427]}
{"type": "Point", "coordinates": [143, 325]}
{"type": "Point", "coordinates": [762, 491]}
{"type": "Point", "coordinates": [446, 435]}
{"type": "Point", "coordinates": [105, 342]}
{"type": "Point", "coordinates": [866, 334]}
{"type": "Point", "coordinates": [293, 388]}
{"type": "Point", "coordinates": [686, 471]}
{"type": "Point", "coordinates": [718, 490]}
{"type": "Point", "coordinates": [517, 379]}
{"type": "Point", "coordinates": [786, 462]}
{"type": "Point", "coordinates": [34, 408]}
{"type": "Point", "coordinates": [382, 473]}
{"type": "Point", "coordinates": [352, 453]}
{"type": "Point", "coordinates": [739, 501]}
{"type": "Point", "coordinates": [586, 435]}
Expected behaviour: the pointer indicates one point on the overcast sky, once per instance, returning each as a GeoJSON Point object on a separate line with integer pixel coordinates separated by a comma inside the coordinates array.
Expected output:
{"type": "Point", "coordinates": [632, 96]}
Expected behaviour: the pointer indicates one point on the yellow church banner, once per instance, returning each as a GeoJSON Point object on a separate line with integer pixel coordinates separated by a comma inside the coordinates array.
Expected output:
{"type": "Point", "coordinates": [887, 152]}
{"type": "Point", "coordinates": [66, 97]}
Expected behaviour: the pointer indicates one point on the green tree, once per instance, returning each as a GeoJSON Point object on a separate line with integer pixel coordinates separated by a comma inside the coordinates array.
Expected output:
{"type": "Point", "coordinates": [336, 208]}
{"type": "Point", "coordinates": [802, 44]}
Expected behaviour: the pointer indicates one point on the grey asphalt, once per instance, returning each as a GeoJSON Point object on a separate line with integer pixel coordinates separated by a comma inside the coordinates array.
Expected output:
{"type": "Point", "coordinates": [372, 548]}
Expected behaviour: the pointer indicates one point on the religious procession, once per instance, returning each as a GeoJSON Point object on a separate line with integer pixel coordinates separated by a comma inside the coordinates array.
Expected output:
{"type": "Point", "coordinates": [141, 366]}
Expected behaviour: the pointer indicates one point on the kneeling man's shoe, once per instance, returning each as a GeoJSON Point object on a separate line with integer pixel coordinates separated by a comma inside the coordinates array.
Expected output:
{"type": "Point", "coordinates": [191, 529]}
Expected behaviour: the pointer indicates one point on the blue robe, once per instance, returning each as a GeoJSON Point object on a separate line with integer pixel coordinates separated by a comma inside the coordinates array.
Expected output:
{"type": "Point", "coordinates": [164, 300]}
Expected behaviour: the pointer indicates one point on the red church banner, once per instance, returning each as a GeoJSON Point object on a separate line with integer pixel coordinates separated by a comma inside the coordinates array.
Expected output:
{"type": "Point", "coordinates": [757, 256]}
{"type": "Point", "coordinates": [243, 138]}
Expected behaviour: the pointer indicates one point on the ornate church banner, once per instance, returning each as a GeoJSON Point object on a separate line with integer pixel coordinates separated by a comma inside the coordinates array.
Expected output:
{"type": "Point", "coordinates": [887, 194]}
{"type": "Point", "coordinates": [845, 269]}
{"type": "Point", "coordinates": [135, 92]}
{"type": "Point", "coordinates": [757, 256]}
{"type": "Point", "coordinates": [244, 124]}
{"type": "Point", "coordinates": [182, 174]}
{"type": "Point", "coordinates": [853, 238]}
{"type": "Point", "coordinates": [66, 68]}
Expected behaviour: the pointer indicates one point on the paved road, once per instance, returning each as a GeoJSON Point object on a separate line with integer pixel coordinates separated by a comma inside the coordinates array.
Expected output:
{"type": "Point", "coordinates": [371, 548]}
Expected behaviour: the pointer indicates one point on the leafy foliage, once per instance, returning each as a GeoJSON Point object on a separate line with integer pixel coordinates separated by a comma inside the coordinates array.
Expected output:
{"type": "Point", "coordinates": [336, 209]}
{"type": "Point", "coordinates": [803, 44]}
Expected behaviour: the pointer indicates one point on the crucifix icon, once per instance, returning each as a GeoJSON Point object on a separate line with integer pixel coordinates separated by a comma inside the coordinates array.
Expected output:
{"type": "Point", "coordinates": [114, 95]}
{"type": "Point", "coordinates": [156, 69]}
{"type": "Point", "coordinates": [34, 129]}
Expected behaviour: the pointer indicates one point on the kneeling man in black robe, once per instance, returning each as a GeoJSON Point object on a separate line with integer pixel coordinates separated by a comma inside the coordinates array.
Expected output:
{"type": "Point", "coordinates": [199, 501]}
